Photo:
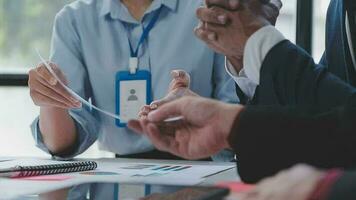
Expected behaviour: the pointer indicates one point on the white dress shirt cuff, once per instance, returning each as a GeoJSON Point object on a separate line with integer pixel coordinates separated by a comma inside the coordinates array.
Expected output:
{"type": "Point", "coordinates": [256, 49]}
{"type": "Point", "coordinates": [247, 86]}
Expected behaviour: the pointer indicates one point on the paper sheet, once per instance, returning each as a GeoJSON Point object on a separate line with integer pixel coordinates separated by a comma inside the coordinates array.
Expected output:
{"type": "Point", "coordinates": [116, 171]}
{"type": "Point", "coordinates": [166, 172]}
{"type": "Point", "coordinates": [47, 178]}
{"type": "Point", "coordinates": [5, 160]}
{"type": "Point", "coordinates": [83, 101]}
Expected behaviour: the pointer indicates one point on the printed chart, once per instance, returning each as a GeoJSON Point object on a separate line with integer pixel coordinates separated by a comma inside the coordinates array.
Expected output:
{"type": "Point", "coordinates": [148, 170]}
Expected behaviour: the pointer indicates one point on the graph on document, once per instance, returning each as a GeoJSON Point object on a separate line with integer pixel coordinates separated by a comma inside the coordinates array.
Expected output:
{"type": "Point", "coordinates": [150, 170]}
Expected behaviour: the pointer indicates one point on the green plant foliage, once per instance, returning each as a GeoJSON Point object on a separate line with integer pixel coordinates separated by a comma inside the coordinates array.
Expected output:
{"type": "Point", "coordinates": [25, 25]}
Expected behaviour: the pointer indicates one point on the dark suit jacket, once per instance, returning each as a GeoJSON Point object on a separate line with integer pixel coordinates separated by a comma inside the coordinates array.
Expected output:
{"type": "Point", "coordinates": [315, 122]}
{"type": "Point", "coordinates": [344, 188]}
{"type": "Point", "coordinates": [336, 59]}
{"type": "Point", "coordinates": [302, 112]}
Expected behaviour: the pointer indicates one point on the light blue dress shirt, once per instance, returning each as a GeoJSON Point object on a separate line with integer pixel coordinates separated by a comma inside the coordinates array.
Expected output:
{"type": "Point", "coordinates": [90, 45]}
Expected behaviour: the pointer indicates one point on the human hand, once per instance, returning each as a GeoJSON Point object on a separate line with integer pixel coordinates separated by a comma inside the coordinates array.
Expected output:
{"type": "Point", "coordinates": [294, 184]}
{"type": "Point", "coordinates": [227, 25]}
{"type": "Point", "coordinates": [271, 12]}
{"type": "Point", "coordinates": [187, 194]}
{"type": "Point", "coordinates": [46, 91]}
{"type": "Point", "coordinates": [178, 88]}
{"type": "Point", "coordinates": [203, 132]}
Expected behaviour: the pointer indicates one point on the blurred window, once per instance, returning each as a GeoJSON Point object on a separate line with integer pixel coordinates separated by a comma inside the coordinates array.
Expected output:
{"type": "Point", "coordinates": [319, 21]}
{"type": "Point", "coordinates": [24, 26]}
{"type": "Point", "coordinates": [287, 20]}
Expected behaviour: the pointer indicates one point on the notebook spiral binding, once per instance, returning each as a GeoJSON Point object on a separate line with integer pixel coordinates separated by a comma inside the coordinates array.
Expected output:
{"type": "Point", "coordinates": [55, 169]}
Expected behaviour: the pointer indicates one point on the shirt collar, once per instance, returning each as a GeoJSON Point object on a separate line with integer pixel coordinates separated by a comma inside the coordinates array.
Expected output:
{"type": "Point", "coordinates": [116, 9]}
{"type": "Point", "coordinates": [171, 4]}
{"type": "Point", "coordinates": [105, 7]}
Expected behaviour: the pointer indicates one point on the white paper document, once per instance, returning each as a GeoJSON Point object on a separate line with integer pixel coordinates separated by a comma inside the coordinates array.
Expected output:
{"type": "Point", "coordinates": [169, 171]}
{"type": "Point", "coordinates": [129, 113]}
{"type": "Point", "coordinates": [83, 101]}
{"type": "Point", "coordinates": [111, 171]}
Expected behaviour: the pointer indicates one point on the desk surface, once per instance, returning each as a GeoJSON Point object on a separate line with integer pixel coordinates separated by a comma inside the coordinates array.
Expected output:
{"type": "Point", "coordinates": [18, 188]}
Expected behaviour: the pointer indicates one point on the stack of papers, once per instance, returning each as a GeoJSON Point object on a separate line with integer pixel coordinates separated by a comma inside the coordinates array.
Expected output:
{"type": "Point", "coordinates": [113, 171]}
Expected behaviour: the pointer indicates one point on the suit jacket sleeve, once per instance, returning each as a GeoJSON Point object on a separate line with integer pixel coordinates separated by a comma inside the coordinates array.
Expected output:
{"type": "Point", "coordinates": [269, 138]}
{"type": "Point", "coordinates": [241, 95]}
{"type": "Point", "coordinates": [344, 187]}
{"type": "Point", "coordinates": [290, 77]}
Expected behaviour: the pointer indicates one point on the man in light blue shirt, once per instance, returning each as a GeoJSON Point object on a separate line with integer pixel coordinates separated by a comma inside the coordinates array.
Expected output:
{"type": "Point", "coordinates": [90, 45]}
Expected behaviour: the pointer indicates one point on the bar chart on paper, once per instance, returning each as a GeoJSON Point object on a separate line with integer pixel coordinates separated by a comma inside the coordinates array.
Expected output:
{"type": "Point", "coordinates": [150, 170]}
{"type": "Point", "coordinates": [123, 171]}
{"type": "Point", "coordinates": [146, 170]}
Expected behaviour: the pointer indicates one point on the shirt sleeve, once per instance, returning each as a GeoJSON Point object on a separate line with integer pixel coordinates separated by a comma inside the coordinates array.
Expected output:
{"type": "Point", "coordinates": [257, 48]}
{"type": "Point", "coordinates": [289, 128]}
{"type": "Point", "coordinates": [247, 86]}
{"type": "Point", "coordinates": [66, 53]}
{"type": "Point", "coordinates": [224, 86]}
{"type": "Point", "coordinates": [224, 90]}
{"type": "Point", "coordinates": [323, 187]}
{"type": "Point", "coordinates": [342, 188]}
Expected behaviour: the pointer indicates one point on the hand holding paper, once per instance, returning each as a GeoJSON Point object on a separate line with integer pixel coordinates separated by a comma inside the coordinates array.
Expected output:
{"type": "Point", "coordinates": [46, 90]}
{"type": "Point", "coordinates": [55, 78]}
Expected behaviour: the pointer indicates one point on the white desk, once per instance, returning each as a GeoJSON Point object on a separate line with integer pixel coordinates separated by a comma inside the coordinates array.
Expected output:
{"type": "Point", "coordinates": [15, 188]}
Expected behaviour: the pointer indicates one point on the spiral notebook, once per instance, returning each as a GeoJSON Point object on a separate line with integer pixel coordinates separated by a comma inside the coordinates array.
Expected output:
{"type": "Point", "coordinates": [49, 169]}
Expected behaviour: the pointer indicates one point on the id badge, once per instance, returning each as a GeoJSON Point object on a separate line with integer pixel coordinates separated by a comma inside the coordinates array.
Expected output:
{"type": "Point", "coordinates": [132, 92]}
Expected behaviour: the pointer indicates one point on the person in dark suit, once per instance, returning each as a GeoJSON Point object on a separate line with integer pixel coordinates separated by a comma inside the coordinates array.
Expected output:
{"type": "Point", "coordinates": [288, 76]}
{"type": "Point", "coordinates": [267, 139]}
{"type": "Point", "coordinates": [317, 128]}
{"type": "Point", "coordinates": [338, 58]}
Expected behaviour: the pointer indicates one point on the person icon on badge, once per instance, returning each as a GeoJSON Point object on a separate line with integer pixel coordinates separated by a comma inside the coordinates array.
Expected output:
{"type": "Point", "coordinates": [133, 96]}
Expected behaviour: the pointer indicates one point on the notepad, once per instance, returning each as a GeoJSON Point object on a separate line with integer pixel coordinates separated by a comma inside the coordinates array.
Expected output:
{"type": "Point", "coordinates": [47, 178]}
{"type": "Point", "coordinates": [23, 170]}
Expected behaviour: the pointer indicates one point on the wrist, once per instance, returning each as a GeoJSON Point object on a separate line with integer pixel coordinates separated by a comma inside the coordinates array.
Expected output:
{"type": "Point", "coordinates": [57, 128]}
{"type": "Point", "coordinates": [236, 62]}
{"type": "Point", "coordinates": [232, 114]}
{"type": "Point", "coordinates": [52, 109]}
{"type": "Point", "coordinates": [256, 25]}
{"type": "Point", "coordinates": [50, 115]}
